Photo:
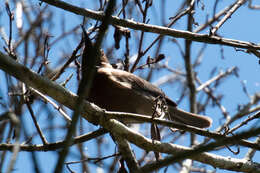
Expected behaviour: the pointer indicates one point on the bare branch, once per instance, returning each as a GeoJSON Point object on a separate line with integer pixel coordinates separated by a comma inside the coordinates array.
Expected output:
{"type": "Point", "coordinates": [153, 28]}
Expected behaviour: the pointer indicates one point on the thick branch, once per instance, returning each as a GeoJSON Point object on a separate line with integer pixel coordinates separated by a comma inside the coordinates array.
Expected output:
{"type": "Point", "coordinates": [154, 28]}
{"type": "Point", "coordinates": [98, 116]}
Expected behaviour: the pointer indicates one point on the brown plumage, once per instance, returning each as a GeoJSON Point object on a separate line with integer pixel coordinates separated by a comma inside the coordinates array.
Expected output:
{"type": "Point", "coordinates": [121, 91]}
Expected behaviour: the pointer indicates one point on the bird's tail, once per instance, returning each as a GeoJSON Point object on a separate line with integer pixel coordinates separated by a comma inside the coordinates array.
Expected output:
{"type": "Point", "coordinates": [188, 118]}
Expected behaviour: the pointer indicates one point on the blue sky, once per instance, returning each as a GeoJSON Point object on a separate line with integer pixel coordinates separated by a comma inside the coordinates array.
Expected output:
{"type": "Point", "coordinates": [243, 25]}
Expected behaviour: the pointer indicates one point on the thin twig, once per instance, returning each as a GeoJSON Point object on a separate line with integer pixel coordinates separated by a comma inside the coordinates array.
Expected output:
{"type": "Point", "coordinates": [216, 78]}
{"type": "Point", "coordinates": [36, 123]}
{"type": "Point", "coordinates": [58, 108]}
{"type": "Point", "coordinates": [244, 123]}
{"type": "Point", "coordinates": [55, 145]}
{"type": "Point", "coordinates": [238, 4]}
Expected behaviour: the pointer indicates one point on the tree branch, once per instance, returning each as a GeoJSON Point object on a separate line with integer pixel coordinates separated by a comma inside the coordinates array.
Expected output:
{"type": "Point", "coordinates": [96, 115]}
{"type": "Point", "coordinates": [205, 38]}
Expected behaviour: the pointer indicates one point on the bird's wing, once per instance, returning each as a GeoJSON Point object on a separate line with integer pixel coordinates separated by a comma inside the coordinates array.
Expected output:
{"type": "Point", "coordinates": [139, 85]}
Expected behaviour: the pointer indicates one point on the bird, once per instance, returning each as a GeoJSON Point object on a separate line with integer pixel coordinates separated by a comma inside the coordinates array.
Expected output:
{"type": "Point", "coordinates": [121, 91]}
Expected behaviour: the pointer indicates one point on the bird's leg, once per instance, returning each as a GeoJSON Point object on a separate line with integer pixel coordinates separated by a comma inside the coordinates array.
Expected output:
{"type": "Point", "coordinates": [159, 110]}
